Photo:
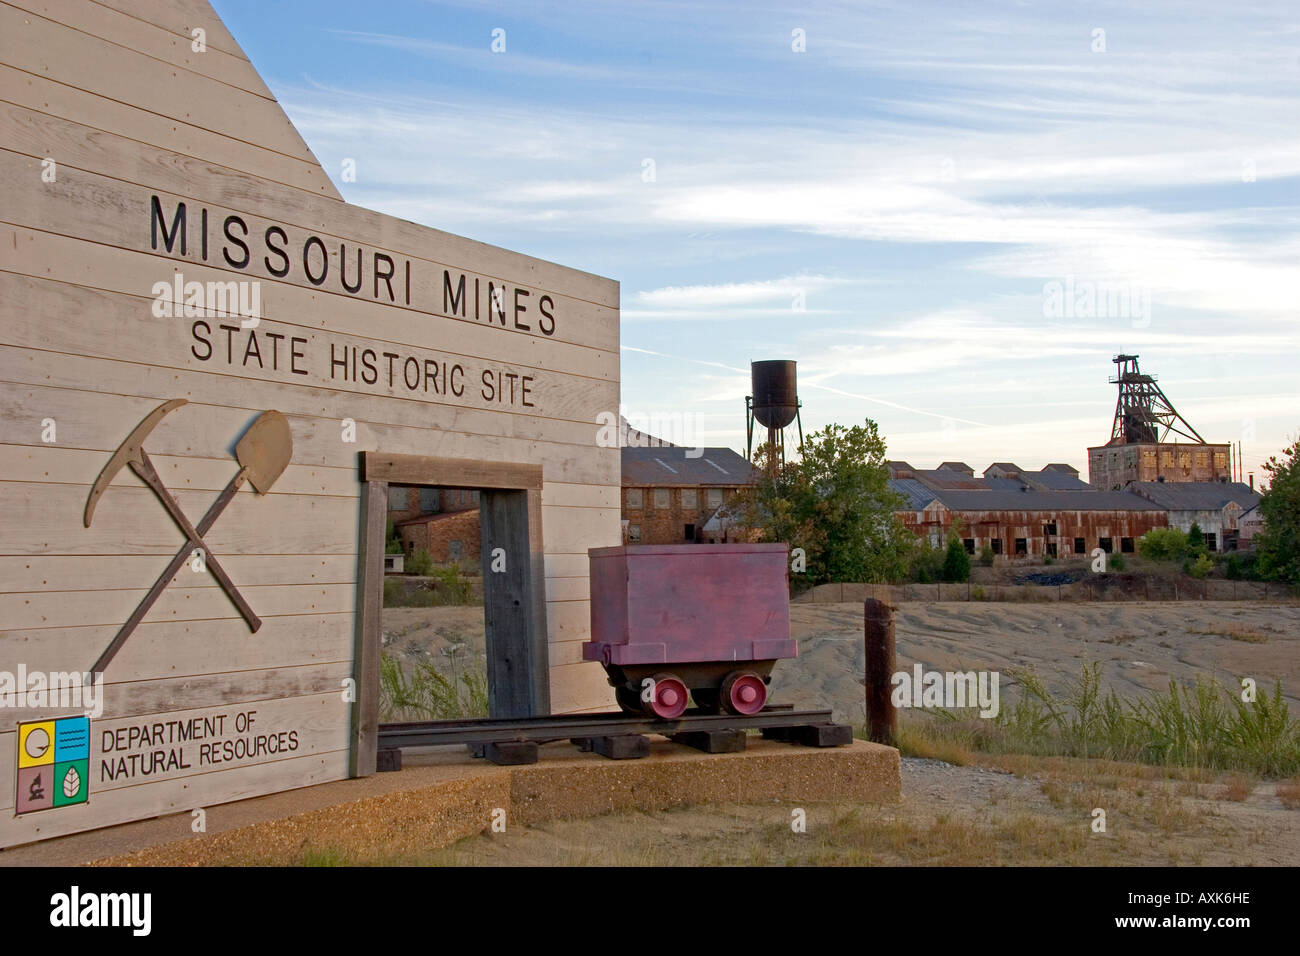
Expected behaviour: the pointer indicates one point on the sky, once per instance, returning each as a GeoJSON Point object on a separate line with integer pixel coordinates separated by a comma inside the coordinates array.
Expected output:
{"type": "Point", "coordinates": [951, 215]}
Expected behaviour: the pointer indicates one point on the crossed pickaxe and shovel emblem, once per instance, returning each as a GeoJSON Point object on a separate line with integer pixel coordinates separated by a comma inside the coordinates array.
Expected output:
{"type": "Point", "coordinates": [263, 453]}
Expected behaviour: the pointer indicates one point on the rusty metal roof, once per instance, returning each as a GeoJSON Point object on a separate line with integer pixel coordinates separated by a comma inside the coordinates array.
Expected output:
{"type": "Point", "coordinates": [914, 493]}
{"type": "Point", "coordinates": [1044, 501]}
{"type": "Point", "coordinates": [1196, 495]}
{"type": "Point", "coordinates": [948, 478]}
{"type": "Point", "coordinates": [672, 467]}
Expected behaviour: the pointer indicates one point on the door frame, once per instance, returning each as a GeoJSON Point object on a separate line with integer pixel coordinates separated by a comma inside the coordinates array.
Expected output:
{"type": "Point", "coordinates": [514, 594]}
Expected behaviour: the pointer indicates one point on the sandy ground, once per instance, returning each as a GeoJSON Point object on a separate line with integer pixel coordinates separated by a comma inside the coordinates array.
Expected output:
{"type": "Point", "coordinates": [1140, 645]}
{"type": "Point", "coordinates": [969, 816]}
{"type": "Point", "coordinates": [438, 634]}
{"type": "Point", "coordinates": [976, 815]}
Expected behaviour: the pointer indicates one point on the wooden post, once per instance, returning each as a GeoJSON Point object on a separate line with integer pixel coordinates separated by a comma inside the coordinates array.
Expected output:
{"type": "Point", "coordinates": [878, 636]}
{"type": "Point", "coordinates": [517, 671]}
{"type": "Point", "coordinates": [368, 647]}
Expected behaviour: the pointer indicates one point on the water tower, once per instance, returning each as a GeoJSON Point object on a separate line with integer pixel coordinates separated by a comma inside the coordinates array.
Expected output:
{"type": "Point", "coordinates": [774, 404]}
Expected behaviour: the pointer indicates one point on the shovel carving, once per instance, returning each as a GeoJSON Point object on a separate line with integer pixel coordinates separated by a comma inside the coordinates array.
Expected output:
{"type": "Point", "coordinates": [263, 452]}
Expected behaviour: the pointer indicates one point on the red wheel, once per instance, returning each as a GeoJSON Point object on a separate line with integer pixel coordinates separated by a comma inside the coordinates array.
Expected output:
{"type": "Point", "coordinates": [744, 693]}
{"type": "Point", "coordinates": [670, 697]}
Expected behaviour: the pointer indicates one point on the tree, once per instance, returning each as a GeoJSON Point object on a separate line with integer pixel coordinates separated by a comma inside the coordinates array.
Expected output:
{"type": "Point", "coordinates": [1278, 545]}
{"type": "Point", "coordinates": [956, 563]}
{"type": "Point", "coordinates": [834, 502]}
{"type": "Point", "coordinates": [1195, 539]}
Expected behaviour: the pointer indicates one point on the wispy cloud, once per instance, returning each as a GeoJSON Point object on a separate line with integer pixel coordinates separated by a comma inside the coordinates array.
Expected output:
{"type": "Point", "coordinates": [917, 175]}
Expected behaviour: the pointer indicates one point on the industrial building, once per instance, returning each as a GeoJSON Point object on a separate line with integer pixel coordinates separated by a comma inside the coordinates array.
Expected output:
{"type": "Point", "coordinates": [1216, 507]}
{"type": "Point", "coordinates": [1019, 513]}
{"type": "Point", "coordinates": [1139, 448]}
{"type": "Point", "coordinates": [670, 493]}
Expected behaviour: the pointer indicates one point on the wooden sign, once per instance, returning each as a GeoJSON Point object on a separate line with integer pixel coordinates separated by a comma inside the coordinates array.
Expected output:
{"type": "Point", "coordinates": [167, 238]}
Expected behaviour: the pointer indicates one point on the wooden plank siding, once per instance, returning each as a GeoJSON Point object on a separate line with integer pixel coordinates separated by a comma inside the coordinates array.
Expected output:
{"type": "Point", "coordinates": [114, 94]}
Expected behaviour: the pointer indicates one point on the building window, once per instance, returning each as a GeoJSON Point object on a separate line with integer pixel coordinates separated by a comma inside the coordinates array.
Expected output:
{"type": "Point", "coordinates": [397, 498]}
{"type": "Point", "coordinates": [1022, 546]}
{"type": "Point", "coordinates": [714, 498]}
{"type": "Point", "coordinates": [689, 533]}
{"type": "Point", "coordinates": [453, 550]}
{"type": "Point", "coordinates": [634, 498]}
{"type": "Point", "coordinates": [969, 543]}
{"type": "Point", "coordinates": [1051, 549]}
{"type": "Point", "coordinates": [1079, 546]}
{"type": "Point", "coordinates": [1105, 545]}
{"type": "Point", "coordinates": [997, 545]}
{"type": "Point", "coordinates": [690, 499]}
{"type": "Point", "coordinates": [1126, 545]}
{"type": "Point", "coordinates": [634, 532]}
{"type": "Point", "coordinates": [661, 497]}
{"type": "Point", "coordinates": [428, 500]}
{"type": "Point", "coordinates": [1049, 529]}
{"type": "Point", "coordinates": [1210, 541]}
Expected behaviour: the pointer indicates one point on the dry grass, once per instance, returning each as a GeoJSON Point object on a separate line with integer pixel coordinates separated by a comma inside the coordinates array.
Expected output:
{"type": "Point", "coordinates": [1233, 633]}
{"type": "Point", "coordinates": [914, 743]}
{"type": "Point", "coordinates": [1288, 791]}
{"type": "Point", "coordinates": [1238, 789]}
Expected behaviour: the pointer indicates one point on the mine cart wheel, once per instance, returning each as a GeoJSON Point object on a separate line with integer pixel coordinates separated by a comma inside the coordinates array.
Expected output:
{"type": "Point", "coordinates": [743, 692]}
{"type": "Point", "coordinates": [706, 698]}
{"type": "Point", "coordinates": [670, 697]}
{"type": "Point", "coordinates": [629, 700]}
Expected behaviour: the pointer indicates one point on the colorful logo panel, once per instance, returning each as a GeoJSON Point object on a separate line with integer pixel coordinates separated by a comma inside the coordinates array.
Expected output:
{"type": "Point", "coordinates": [36, 743]}
{"type": "Point", "coordinates": [53, 763]}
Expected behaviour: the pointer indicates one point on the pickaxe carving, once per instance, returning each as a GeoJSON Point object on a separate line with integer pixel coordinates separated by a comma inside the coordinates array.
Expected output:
{"type": "Point", "coordinates": [263, 453]}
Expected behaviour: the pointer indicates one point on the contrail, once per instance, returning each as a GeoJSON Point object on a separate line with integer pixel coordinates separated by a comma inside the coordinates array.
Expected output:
{"type": "Point", "coordinates": [825, 388]}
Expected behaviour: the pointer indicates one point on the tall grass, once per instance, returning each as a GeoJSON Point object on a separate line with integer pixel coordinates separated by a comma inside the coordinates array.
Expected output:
{"type": "Point", "coordinates": [445, 586]}
{"type": "Point", "coordinates": [422, 692]}
{"type": "Point", "coordinates": [1196, 725]}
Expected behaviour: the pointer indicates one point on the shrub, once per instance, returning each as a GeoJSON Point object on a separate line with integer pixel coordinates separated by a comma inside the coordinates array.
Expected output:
{"type": "Point", "coordinates": [1163, 544]}
{"type": "Point", "coordinates": [393, 544]}
{"type": "Point", "coordinates": [451, 586]}
{"type": "Point", "coordinates": [986, 555]}
{"type": "Point", "coordinates": [1117, 562]}
{"type": "Point", "coordinates": [1196, 539]}
{"type": "Point", "coordinates": [420, 562]}
{"type": "Point", "coordinates": [977, 593]}
{"type": "Point", "coordinates": [956, 563]}
{"type": "Point", "coordinates": [1202, 566]}
{"type": "Point", "coordinates": [1232, 570]}
{"type": "Point", "coordinates": [927, 564]}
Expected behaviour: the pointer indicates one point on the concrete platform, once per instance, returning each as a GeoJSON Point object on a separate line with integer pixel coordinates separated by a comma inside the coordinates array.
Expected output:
{"type": "Point", "coordinates": [443, 795]}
